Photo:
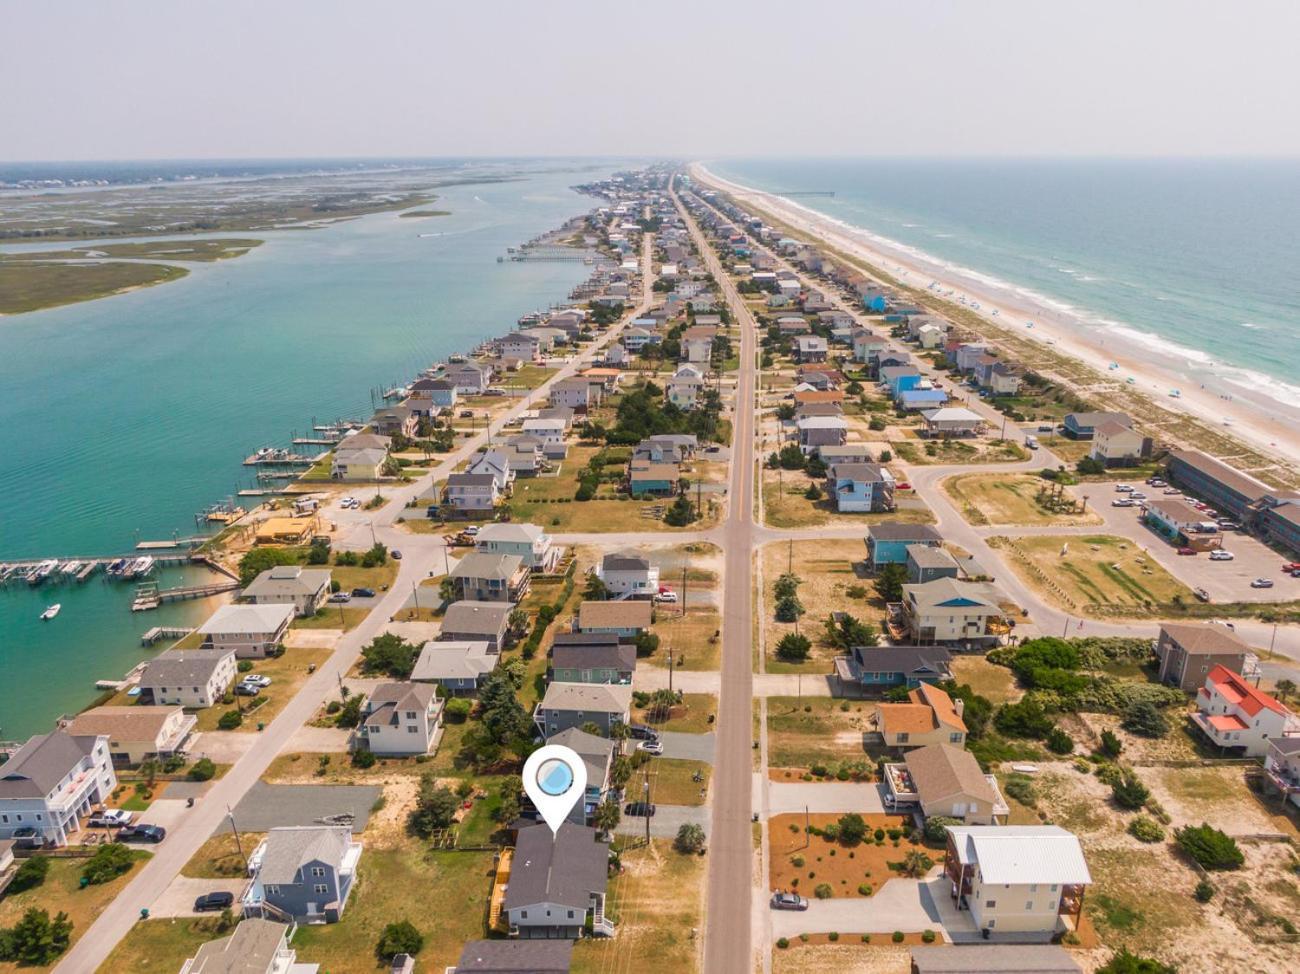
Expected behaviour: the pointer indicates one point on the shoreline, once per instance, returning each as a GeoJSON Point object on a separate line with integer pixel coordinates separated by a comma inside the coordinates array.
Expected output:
{"type": "Point", "coordinates": [1262, 424]}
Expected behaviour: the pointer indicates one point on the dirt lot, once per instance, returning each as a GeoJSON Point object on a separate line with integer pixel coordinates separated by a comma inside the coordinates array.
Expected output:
{"type": "Point", "coordinates": [843, 958]}
{"type": "Point", "coordinates": [691, 716]}
{"type": "Point", "coordinates": [850, 872]}
{"type": "Point", "coordinates": [1101, 569]}
{"type": "Point", "coordinates": [1010, 499]}
{"type": "Point", "coordinates": [288, 672]}
{"type": "Point", "coordinates": [829, 569]}
{"type": "Point", "coordinates": [814, 730]}
{"type": "Point", "coordinates": [657, 905]}
{"type": "Point", "coordinates": [784, 505]}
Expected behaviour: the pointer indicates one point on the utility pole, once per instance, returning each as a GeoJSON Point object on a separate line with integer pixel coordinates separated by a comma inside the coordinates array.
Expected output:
{"type": "Point", "coordinates": [238, 844]}
{"type": "Point", "coordinates": [670, 671]}
{"type": "Point", "coordinates": [415, 591]}
{"type": "Point", "coordinates": [646, 793]}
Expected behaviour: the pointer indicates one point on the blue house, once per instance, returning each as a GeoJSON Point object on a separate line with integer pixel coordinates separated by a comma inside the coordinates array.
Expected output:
{"type": "Point", "coordinates": [860, 487]}
{"type": "Point", "coordinates": [887, 542]}
{"type": "Point", "coordinates": [922, 398]}
{"type": "Point", "coordinates": [899, 378]}
{"type": "Point", "coordinates": [881, 668]}
{"type": "Point", "coordinates": [875, 303]}
{"type": "Point", "coordinates": [1082, 426]}
{"type": "Point", "coordinates": [304, 872]}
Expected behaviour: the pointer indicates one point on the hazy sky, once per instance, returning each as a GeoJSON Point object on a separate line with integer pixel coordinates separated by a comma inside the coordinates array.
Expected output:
{"type": "Point", "coordinates": [134, 79]}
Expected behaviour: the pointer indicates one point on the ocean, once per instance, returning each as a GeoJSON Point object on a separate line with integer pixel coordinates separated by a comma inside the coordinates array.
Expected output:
{"type": "Point", "coordinates": [1191, 263]}
{"type": "Point", "coordinates": [126, 416]}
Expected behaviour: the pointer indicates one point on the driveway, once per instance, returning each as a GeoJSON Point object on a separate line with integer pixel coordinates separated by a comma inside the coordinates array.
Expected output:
{"type": "Point", "coordinates": [689, 747]}
{"type": "Point", "coordinates": [823, 796]}
{"type": "Point", "coordinates": [909, 905]}
{"type": "Point", "coordinates": [331, 740]}
{"type": "Point", "coordinates": [177, 900]}
{"type": "Point", "coordinates": [666, 820]}
{"type": "Point", "coordinates": [266, 806]}
{"type": "Point", "coordinates": [222, 747]}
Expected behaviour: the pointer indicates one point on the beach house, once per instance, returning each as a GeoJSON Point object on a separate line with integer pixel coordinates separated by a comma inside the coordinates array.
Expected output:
{"type": "Point", "coordinates": [306, 873]}
{"type": "Point", "coordinates": [306, 589]}
{"type": "Point", "coordinates": [926, 562]}
{"type": "Point", "coordinates": [818, 431]}
{"type": "Point", "coordinates": [519, 957]}
{"type": "Point", "coordinates": [929, 716]}
{"type": "Point", "coordinates": [194, 678]}
{"type": "Point", "coordinates": [472, 621]}
{"type": "Point", "coordinates": [1083, 426]}
{"type": "Point", "coordinates": [876, 669]}
{"type": "Point", "coordinates": [567, 705]}
{"type": "Point", "coordinates": [888, 541]}
{"type": "Point", "coordinates": [249, 631]}
{"type": "Point", "coordinates": [597, 755]}
{"type": "Point", "coordinates": [624, 618]}
{"type": "Point", "coordinates": [948, 611]}
{"type": "Point", "coordinates": [529, 541]}
{"type": "Point", "coordinates": [401, 719]}
{"type": "Point", "coordinates": [810, 348]}
{"type": "Point", "coordinates": [557, 884]}
{"type": "Point", "coordinates": [458, 667]}
{"type": "Point", "coordinates": [628, 575]}
{"type": "Point", "coordinates": [51, 782]}
{"type": "Point", "coordinates": [256, 947]}
{"type": "Point", "coordinates": [1238, 717]}
{"type": "Point", "coordinates": [471, 494]}
{"type": "Point", "coordinates": [605, 660]}
{"type": "Point", "coordinates": [952, 421]}
{"type": "Point", "coordinates": [1021, 883]}
{"type": "Point", "coordinates": [135, 733]}
{"type": "Point", "coordinates": [1187, 652]}
{"type": "Point", "coordinates": [945, 780]}
{"type": "Point", "coordinates": [860, 487]}
{"type": "Point", "coordinates": [482, 577]}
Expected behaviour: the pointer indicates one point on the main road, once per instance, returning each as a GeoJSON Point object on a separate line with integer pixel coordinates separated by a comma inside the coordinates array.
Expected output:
{"type": "Point", "coordinates": [728, 946]}
{"type": "Point", "coordinates": [422, 557]}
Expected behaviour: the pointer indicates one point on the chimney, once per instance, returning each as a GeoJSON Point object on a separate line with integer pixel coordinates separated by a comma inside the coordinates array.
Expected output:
{"type": "Point", "coordinates": [959, 705]}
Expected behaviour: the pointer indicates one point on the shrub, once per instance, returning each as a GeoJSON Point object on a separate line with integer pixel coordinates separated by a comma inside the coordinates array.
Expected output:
{"type": "Point", "coordinates": [797, 862]}
{"type": "Point", "coordinates": [1146, 829]}
{"type": "Point", "coordinates": [1024, 718]}
{"type": "Point", "coordinates": [823, 891]}
{"type": "Point", "coordinates": [1209, 847]}
{"type": "Point", "coordinates": [853, 828]}
{"type": "Point", "coordinates": [832, 936]}
{"type": "Point", "coordinates": [1022, 790]}
{"type": "Point", "coordinates": [864, 889]}
{"type": "Point", "coordinates": [399, 938]}
{"type": "Point", "coordinates": [936, 828]}
{"type": "Point", "coordinates": [36, 940]}
{"type": "Point", "coordinates": [457, 710]}
{"type": "Point", "coordinates": [202, 770]}
{"type": "Point", "coordinates": [690, 839]}
{"type": "Point", "coordinates": [1059, 742]}
{"type": "Point", "coordinates": [363, 758]}
{"type": "Point", "coordinates": [1146, 720]}
{"type": "Point", "coordinates": [1129, 792]}
{"type": "Point", "coordinates": [794, 647]}
{"type": "Point", "coordinates": [1126, 963]}
{"type": "Point", "coordinates": [30, 874]}
{"type": "Point", "coordinates": [244, 665]}
{"type": "Point", "coordinates": [1204, 892]}
{"type": "Point", "coordinates": [1111, 745]}
{"type": "Point", "coordinates": [230, 720]}
{"type": "Point", "coordinates": [879, 835]}
{"type": "Point", "coordinates": [783, 943]}
{"type": "Point", "coordinates": [435, 808]}
{"type": "Point", "coordinates": [896, 936]}
{"type": "Point", "coordinates": [108, 862]}
{"type": "Point", "coordinates": [927, 936]}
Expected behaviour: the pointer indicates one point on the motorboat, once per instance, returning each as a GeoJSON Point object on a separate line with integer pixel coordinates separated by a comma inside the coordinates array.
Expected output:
{"type": "Point", "coordinates": [51, 612]}
{"type": "Point", "coordinates": [42, 571]}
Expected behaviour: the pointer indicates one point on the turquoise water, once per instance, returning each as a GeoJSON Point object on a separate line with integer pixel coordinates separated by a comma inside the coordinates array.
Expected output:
{"type": "Point", "coordinates": [1191, 263]}
{"type": "Point", "coordinates": [126, 416]}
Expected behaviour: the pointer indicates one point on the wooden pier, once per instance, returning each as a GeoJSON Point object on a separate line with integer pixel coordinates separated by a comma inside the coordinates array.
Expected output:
{"type": "Point", "coordinates": [278, 458]}
{"type": "Point", "coordinates": [147, 598]}
{"type": "Point", "coordinates": [151, 636]}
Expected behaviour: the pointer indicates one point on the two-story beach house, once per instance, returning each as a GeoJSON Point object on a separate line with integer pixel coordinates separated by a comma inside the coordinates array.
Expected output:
{"type": "Point", "coordinates": [50, 782]}
{"type": "Point", "coordinates": [1188, 651]}
{"type": "Point", "coordinates": [135, 733]}
{"type": "Point", "coordinates": [249, 631]}
{"type": "Point", "coordinates": [529, 541]}
{"type": "Point", "coordinates": [194, 678]}
{"type": "Point", "coordinates": [1238, 717]}
{"type": "Point", "coordinates": [256, 947]}
{"type": "Point", "coordinates": [305, 873]}
{"type": "Point", "coordinates": [458, 667]}
{"type": "Point", "coordinates": [568, 705]}
{"type": "Point", "coordinates": [948, 611]}
{"type": "Point", "coordinates": [860, 487]}
{"type": "Point", "coordinates": [482, 577]}
{"type": "Point", "coordinates": [945, 780]}
{"type": "Point", "coordinates": [557, 884]}
{"type": "Point", "coordinates": [628, 575]}
{"type": "Point", "coordinates": [401, 719]}
{"type": "Point", "coordinates": [888, 541]}
{"type": "Point", "coordinates": [306, 589]}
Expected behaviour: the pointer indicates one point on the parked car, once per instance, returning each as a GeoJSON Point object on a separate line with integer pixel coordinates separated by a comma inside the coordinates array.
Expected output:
{"type": "Point", "coordinates": [1172, 491]}
{"type": "Point", "coordinates": [363, 593]}
{"type": "Point", "coordinates": [1221, 555]}
{"type": "Point", "coordinates": [397, 555]}
{"type": "Point", "coordinates": [214, 901]}
{"type": "Point", "coordinates": [110, 818]}
{"type": "Point", "coordinates": [640, 809]}
{"type": "Point", "coordinates": [642, 733]}
{"type": "Point", "coordinates": [666, 596]}
{"type": "Point", "coordinates": [142, 833]}
{"type": "Point", "coordinates": [1157, 482]}
{"type": "Point", "coordinates": [1122, 502]}
{"type": "Point", "coordinates": [1137, 495]}
{"type": "Point", "coordinates": [341, 597]}
{"type": "Point", "coordinates": [1184, 550]}
{"type": "Point", "coordinates": [651, 747]}
{"type": "Point", "coordinates": [1124, 488]}
{"type": "Point", "coordinates": [788, 901]}
{"type": "Point", "coordinates": [256, 680]}
{"type": "Point", "coordinates": [247, 689]}
{"type": "Point", "coordinates": [471, 530]}
{"type": "Point", "coordinates": [1201, 594]}
{"type": "Point", "coordinates": [1262, 583]}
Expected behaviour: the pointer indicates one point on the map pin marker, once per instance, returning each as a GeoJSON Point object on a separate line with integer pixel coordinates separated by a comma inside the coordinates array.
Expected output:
{"type": "Point", "coordinates": [555, 778]}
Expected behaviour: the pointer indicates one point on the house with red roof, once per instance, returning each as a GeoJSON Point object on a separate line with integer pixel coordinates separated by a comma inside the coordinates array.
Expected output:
{"type": "Point", "coordinates": [1233, 714]}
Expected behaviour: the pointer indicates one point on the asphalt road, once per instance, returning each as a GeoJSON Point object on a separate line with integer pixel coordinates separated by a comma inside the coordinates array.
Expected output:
{"type": "Point", "coordinates": [728, 945]}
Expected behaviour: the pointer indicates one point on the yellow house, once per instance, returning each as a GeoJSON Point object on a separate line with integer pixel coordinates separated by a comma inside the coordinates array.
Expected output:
{"type": "Point", "coordinates": [929, 717]}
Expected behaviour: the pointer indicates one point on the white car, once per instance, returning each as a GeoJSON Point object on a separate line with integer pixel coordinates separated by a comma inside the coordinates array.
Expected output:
{"type": "Point", "coordinates": [666, 596]}
{"type": "Point", "coordinates": [651, 747]}
{"type": "Point", "coordinates": [1124, 488]}
{"type": "Point", "coordinates": [256, 679]}
{"type": "Point", "coordinates": [110, 818]}
{"type": "Point", "coordinates": [1221, 555]}
{"type": "Point", "coordinates": [1262, 583]}
{"type": "Point", "coordinates": [1121, 502]}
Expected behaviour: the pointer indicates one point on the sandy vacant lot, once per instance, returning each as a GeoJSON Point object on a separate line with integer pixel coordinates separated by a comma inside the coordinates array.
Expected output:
{"type": "Point", "coordinates": [1011, 499]}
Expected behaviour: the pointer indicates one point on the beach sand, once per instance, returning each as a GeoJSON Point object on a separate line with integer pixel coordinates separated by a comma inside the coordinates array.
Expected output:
{"type": "Point", "coordinates": [1271, 427]}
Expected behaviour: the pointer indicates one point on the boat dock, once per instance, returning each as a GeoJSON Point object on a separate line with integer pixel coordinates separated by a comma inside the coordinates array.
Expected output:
{"type": "Point", "coordinates": [150, 596]}
{"type": "Point", "coordinates": [173, 543]}
{"type": "Point", "coordinates": [151, 636]}
{"type": "Point", "coordinates": [273, 456]}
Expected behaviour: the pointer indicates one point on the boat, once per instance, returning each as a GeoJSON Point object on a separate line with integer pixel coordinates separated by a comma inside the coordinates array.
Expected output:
{"type": "Point", "coordinates": [1113, 366]}
{"type": "Point", "coordinates": [138, 568]}
{"type": "Point", "coordinates": [1175, 393]}
{"type": "Point", "coordinates": [42, 571]}
{"type": "Point", "coordinates": [116, 567]}
{"type": "Point", "coordinates": [51, 612]}
{"type": "Point", "coordinates": [70, 567]}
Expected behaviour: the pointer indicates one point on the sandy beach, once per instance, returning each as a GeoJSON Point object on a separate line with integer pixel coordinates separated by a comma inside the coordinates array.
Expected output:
{"type": "Point", "coordinates": [1263, 423]}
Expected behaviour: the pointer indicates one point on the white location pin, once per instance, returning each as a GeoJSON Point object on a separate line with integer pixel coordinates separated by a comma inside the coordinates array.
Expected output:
{"type": "Point", "coordinates": [555, 779]}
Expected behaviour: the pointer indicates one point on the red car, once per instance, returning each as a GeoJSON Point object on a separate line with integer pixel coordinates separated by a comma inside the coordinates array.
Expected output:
{"type": "Point", "coordinates": [903, 486]}
{"type": "Point", "coordinates": [1187, 551]}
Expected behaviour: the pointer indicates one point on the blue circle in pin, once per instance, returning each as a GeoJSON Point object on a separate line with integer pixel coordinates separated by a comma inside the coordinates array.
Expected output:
{"type": "Point", "coordinates": [554, 777]}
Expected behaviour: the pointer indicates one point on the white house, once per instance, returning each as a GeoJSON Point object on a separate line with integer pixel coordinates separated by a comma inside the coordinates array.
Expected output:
{"type": "Point", "coordinates": [529, 541]}
{"type": "Point", "coordinates": [628, 575]}
{"type": "Point", "coordinates": [549, 431]}
{"type": "Point", "coordinates": [192, 678]}
{"type": "Point", "coordinates": [306, 589]}
{"type": "Point", "coordinates": [401, 719]}
{"type": "Point", "coordinates": [1019, 882]}
{"type": "Point", "coordinates": [53, 780]}
{"type": "Point", "coordinates": [1233, 714]}
{"type": "Point", "coordinates": [1115, 443]}
{"type": "Point", "coordinates": [250, 631]}
{"type": "Point", "coordinates": [526, 348]}
{"type": "Point", "coordinates": [470, 493]}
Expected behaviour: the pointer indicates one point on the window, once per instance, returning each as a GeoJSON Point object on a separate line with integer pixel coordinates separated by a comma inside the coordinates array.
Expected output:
{"type": "Point", "coordinates": [523, 914]}
{"type": "Point", "coordinates": [570, 914]}
{"type": "Point", "coordinates": [1029, 906]}
{"type": "Point", "coordinates": [902, 738]}
{"type": "Point", "coordinates": [955, 737]}
{"type": "Point", "coordinates": [990, 904]}
{"type": "Point", "coordinates": [1033, 887]}
{"type": "Point", "coordinates": [412, 729]}
{"type": "Point", "coordinates": [320, 888]}
{"type": "Point", "coordinates": [410, 715]}
{"type": "Point", "coordinates": [318, 871]}
{"type": "Point", "coordinates": [273, 891]}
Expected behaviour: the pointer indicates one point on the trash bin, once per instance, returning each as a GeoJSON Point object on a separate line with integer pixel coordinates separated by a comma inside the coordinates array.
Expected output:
{"type": "Point", "coordinates": [261, 725]}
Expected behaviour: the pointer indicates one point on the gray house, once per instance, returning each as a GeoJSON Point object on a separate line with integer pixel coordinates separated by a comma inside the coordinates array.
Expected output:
{"type": "Point", "coordinates": [256, 947]}
{"type": "Point", "coordinates": [597, 754]}
{"type": "Point", "coordinates": [514, 957]}
{"type": "Point", "coordinates": [574, 704]}
{"type": "Point", "coordinates": [306, 874]}
{"type": "Point", "coordinates": [457, 667]}
{"type": "Point", "coordinates": [556, 882]}
{"type": "Point", "coordinates": [607, 661]}
{"type": "Point", "coordinates": [926, 562]}
{"type": "Point", "coordinates": [487, 577]}
{"type": "Point", "coordinates": [474, 621]}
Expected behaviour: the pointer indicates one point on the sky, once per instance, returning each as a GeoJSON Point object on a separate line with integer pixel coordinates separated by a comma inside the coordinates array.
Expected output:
{"type": "Point", "coordinates": [146, 79]}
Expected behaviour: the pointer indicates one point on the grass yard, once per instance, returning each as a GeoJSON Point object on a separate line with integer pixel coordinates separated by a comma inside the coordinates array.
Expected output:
{"type": "Point", "coordinates": [784, 505]}
{"type": "Point", "coordinates": [995, 682]}
{"type": "Point", "coordinates": [220, 858]}
{"type": "Point", "coordinates": [332, 617]}
{"type": "Point", "coordinates": [1009, 499]}
{"type": "Point", "coordinates": [1096, 574]}
{"type": "Point", "coordinates": [354, 576]}
{"type": "Point", "coordinates": [691, 716]}
{"type": "Point", "coordinates": [802, 862]}
{"type": "Point", "coordinates": [657, 903]}
{"type": "Point", "coordinates": [690, 637]}
{"type": "Point", "coordinates": [162, 944]}
{"type": "Point", "coordinates": [30, 286]}
{"type": "Point", "coordinates": [829, 570]}
{"type": "Point", "coordinates": [288, 672]}
{"type": "Point", "coordinates": [62, 891]}
{"type": "Point", "coordinates": [922, 452]}
{"type": "Point", "coordinates": [671, 781]}
{"type": "Point", "coordinates": [815, 730]}
{"type": "Point", "coordinates": [444, 894]}
{"type": "Point", "coordinates": [527, 377]}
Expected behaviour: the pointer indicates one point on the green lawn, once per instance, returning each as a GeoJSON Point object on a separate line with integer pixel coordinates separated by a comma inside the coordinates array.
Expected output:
{"type": "Point", "coordinates": [691, 716]}
{"type": "Point", "coordinates": [161, 945]}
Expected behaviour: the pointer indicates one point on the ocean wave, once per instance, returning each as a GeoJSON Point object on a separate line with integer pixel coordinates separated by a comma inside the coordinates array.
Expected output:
{"type": "Point", "coordinates": [1251, 324]}
{"type": "Point", "coordinates": [1261, 383]}
{"type": "Point", "coordinates": [1156, 343]}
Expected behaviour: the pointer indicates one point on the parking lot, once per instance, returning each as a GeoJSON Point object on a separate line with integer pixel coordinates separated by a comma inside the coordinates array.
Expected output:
{"type": "Point", "coordinates": [265, 806]}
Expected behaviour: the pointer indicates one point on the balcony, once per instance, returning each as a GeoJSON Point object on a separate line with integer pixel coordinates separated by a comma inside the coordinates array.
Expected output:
{"type": "Point", "coordinates": [900, 786]}
{"type": "Point", "coordinates": [1220, 728]}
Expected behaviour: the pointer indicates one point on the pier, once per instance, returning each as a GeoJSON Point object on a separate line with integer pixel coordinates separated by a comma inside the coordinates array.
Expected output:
{"type": "Point", "coordinates": [151, 636]}
{"type": "Point", "coordinates": [149, 596]}
{"type": "Point", "coordinates": [271, 456]}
